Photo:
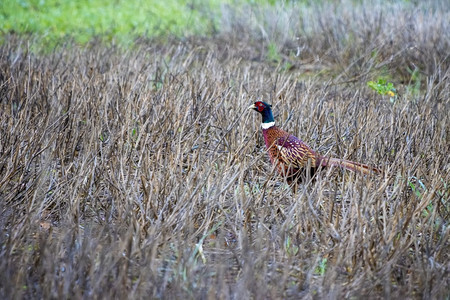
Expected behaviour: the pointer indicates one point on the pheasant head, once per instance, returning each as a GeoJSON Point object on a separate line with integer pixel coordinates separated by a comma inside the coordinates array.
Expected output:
{"type": "Point", "coordinates": [266, 112]}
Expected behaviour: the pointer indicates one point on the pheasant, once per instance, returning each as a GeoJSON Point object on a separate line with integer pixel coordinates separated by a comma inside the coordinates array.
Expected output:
{"type": "Point", "coordinates": [291, 156]}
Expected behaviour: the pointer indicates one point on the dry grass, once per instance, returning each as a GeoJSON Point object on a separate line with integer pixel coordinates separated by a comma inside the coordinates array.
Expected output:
{"type": "Point", "coordinates": [141, 174]}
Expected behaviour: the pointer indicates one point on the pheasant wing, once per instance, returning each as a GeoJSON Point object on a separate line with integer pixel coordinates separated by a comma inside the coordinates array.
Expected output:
{"type": "Point", "coordinates": [295, 152]}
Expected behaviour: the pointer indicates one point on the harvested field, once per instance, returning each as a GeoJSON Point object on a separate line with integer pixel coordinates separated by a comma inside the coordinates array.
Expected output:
{"type": "Point", "coordinates": [140, 173]}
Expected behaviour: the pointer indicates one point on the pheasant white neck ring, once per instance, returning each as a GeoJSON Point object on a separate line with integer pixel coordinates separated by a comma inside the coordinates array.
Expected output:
{"type": "Point", "coordinates": [267, 125]}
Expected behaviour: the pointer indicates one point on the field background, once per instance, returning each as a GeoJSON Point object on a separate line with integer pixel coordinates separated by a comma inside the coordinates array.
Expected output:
{"type": "Point", "coordinates": [130, 166]}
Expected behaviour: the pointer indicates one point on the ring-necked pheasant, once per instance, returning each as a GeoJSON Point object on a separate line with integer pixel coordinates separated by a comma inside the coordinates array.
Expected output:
{"type": "Point", "coordinates": [292, 156]}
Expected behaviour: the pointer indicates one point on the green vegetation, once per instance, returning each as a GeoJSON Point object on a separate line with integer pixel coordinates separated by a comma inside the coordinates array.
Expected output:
{"type": "Point", "coordinates": [383, 87]}
{"type": "Point", "coordinates": [122, 21]}
{"type": "Point", "coordinates": [321, 267]}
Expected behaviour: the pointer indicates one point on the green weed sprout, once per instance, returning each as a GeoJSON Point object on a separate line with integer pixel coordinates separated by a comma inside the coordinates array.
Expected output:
{"type": "Point", "coordinates": [383, 87]}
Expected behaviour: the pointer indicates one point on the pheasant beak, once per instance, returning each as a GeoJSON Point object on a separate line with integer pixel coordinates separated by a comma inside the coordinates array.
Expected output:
{"type": "Point", "coordinates": [253, 106]}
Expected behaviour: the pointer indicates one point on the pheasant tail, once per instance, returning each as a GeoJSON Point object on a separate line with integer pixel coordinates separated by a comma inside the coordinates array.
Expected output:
{"type": "Point", "coordinates": [349, 165]}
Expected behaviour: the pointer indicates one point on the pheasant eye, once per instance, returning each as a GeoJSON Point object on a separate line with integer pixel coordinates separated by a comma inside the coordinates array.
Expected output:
{"type": "Point", "coordinates": [260, 106]}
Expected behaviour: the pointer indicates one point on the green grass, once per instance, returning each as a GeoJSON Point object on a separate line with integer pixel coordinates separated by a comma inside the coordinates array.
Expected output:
{"type": "Point", "coordinates": [120, 20]}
